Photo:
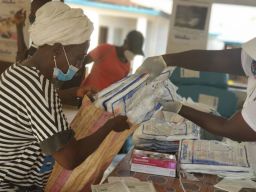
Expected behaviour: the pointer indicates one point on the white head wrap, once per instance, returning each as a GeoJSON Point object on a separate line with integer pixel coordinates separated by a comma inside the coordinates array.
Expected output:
{"type": "Point", "coordinates": [56, 22]}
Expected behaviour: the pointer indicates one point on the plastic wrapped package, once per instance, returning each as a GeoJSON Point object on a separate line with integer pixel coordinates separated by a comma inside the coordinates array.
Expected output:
{"type": "Point", "coordinates": [226, 159]}
{"type": "Point", "coordinates": [145, 103]}
{"type": "Point", "coordinates": [136, 98]}
{"type": "Point", "coordinates": [111, 99]}
{"type": "Point", "coordinates": [165, 129]}
{"type": "Point", "coordinates": [173, 129]}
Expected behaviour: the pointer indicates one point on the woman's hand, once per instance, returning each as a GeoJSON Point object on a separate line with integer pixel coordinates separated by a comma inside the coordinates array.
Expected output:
{"type": "Point", "coordinates": [172, 106]}
{"type": "Point", "coordinates": [152, 66]}
{"type": "Point", "coordinates": [118, 123]}
{"type": "Point", "coordinates": [89, 92]}
{"type": "Point", "coordinates": [20, 18]}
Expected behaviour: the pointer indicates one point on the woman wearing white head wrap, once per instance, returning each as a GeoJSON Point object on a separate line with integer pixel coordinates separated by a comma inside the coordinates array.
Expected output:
{"type": "Point", "coordinates": [58, 23]}
{"type": "Point", "coordinates": [35, 127]}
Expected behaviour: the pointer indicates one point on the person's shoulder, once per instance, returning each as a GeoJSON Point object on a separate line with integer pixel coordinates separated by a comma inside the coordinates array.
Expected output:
{"type": "Point", "coordinates": [105, 46]}
{"type": "Point", "coordinates": [19, 75]}
{"type": "Point", "coordinates": [13, 68]}
{"type": "Point", "coordinates": [101, 49]}
{"type": "Point", "coordinates": [27, 72]}
{"type": "Point", "coordinates": [24, 67]}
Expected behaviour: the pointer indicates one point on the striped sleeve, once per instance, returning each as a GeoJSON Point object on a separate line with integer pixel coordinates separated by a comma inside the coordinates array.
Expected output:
{"type": "Point", "coordinates": [47, 120]}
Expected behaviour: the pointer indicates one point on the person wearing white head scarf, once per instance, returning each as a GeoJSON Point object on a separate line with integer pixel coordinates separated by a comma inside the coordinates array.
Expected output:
{"type": "Point", "coordinates": [58, 21]}
{"type": "Point", "coordinates": [34, 130]}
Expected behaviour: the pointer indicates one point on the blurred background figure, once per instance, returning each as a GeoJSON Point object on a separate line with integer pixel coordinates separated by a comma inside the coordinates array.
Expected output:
{"type": "Point", "coordinates": [111, 63]}
{"type": "Point", "coordinates": [20, 17]}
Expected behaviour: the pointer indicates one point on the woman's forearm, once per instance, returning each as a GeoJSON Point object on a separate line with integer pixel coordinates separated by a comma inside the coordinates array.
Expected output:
{"type": "Point", "coordinates": [234, 128]}
{"type": "Point", "coordinates": [21, 45]}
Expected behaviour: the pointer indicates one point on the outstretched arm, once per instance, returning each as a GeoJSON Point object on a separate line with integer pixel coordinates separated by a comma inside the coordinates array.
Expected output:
{"type": "Point", "coordinates": [234, 128]}
{"type": "Point", "coordinates": [224, 61]}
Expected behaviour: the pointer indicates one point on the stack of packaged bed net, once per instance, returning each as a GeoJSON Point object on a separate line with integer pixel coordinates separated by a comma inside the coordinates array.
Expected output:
{"type": "Point", "coordinates": [133, 97]}
{"type": "Point", "coordinates": [124, 97]}
{"type": "Point", "coordinates": [228, 158]}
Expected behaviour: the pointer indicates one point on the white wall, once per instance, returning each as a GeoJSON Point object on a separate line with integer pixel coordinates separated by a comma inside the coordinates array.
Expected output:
{"type": "Point", "coordinates": [214, 43]}
{"type": "Point", "coordinates": [233, 23]}
{"type": "Point", "coordinates": [157, 36]}
{"type": "Point", "coordinates": [122, 23]}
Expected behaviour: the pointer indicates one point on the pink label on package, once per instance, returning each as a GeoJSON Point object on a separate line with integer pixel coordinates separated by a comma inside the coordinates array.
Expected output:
{"type": "Point", "coordinates": [171, 164]}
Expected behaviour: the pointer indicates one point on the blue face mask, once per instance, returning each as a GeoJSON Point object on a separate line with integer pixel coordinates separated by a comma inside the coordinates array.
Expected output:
{"type": "Point", "coordinates": [59, 75]}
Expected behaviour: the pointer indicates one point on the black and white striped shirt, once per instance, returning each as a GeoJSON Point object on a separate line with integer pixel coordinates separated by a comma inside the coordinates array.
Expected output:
{"type": "Point", "coordinates": [32, 126]}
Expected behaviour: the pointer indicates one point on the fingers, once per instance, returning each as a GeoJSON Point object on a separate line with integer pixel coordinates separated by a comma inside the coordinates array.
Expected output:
{"type": "Point", "coordinates": [91, 95]}
{"type": "Point", "coordinates": [20, 13]}
{"type": "Point", "coordinates": [80, 92]}
{"type": "Point", "coordinates": [20, 17]}
{"type": "Point", "coordinates": [151, 78]}
{"type": "Point", "coordinates": [140, 71]}
{"type": "Point", "coordinates": [121, 118]}
{"type": "Point", "coordinates": [129, 124]}
{"type": "Point", "coordinates": [118, 123]}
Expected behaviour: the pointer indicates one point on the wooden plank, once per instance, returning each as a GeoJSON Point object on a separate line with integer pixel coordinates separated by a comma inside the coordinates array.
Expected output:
{"type": "Point", "coordinates": [88, 120]}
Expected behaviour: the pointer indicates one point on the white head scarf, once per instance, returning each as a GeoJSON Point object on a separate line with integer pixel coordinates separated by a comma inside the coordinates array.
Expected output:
{"type": "Point", "coordinates": [56, 22]}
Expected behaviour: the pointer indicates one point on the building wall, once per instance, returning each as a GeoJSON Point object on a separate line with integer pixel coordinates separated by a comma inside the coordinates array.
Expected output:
{"type": "Point", "coordinates": [118, 27]}
{"type": "Point", "coordinates": [156, 37]}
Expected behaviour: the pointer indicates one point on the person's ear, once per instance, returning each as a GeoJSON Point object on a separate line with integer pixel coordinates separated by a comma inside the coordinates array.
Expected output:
{"type": "Point", "coordinates": [57, 49]}
{"type": "Point", "coordinates": [126, 42]}
{"type": "Point", "coordinates": [126, 45]}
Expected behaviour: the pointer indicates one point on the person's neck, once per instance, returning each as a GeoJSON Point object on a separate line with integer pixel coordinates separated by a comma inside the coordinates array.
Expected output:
{"type": "Point", "coordinates": [42, 62]}
{"type": "Point", "coordinates": [120, 54]}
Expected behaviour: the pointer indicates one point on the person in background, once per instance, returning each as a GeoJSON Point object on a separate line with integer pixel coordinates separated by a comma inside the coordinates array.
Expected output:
{"type": "Point", "coordinates": [32, 124]}
{"type": "Point", "coordinates": [23, 51]}
{"type": "Point", "coordinates": [111, 63]}
{"type": "Point", "coordinates": [241, 61]}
